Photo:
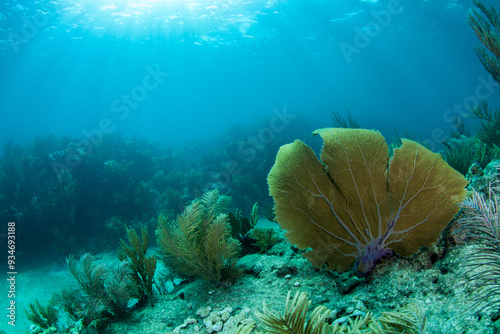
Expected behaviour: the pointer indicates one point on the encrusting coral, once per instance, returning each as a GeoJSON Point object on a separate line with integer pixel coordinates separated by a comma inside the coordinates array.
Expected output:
{"type": "Point", "coordinates": [351, 209]}
{"type": "Point", "coordinates": [199, 241]}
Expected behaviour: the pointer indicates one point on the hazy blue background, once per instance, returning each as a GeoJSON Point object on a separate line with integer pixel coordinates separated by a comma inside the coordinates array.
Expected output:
{"type": "Point", "coordinates": [64, 62]}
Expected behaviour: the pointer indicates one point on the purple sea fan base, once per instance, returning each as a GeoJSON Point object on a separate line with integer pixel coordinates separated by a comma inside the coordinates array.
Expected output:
{"type": "Point", "coordinates": [377, 248]}
{"type": "Point", "coordinates": [374, 251]}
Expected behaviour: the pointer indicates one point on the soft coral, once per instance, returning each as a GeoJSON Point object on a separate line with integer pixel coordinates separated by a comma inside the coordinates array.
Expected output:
{"type": "Point", "coordinates": [351, 209]}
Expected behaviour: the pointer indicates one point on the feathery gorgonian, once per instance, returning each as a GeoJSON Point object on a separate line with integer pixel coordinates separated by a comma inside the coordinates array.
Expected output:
{"type": "Point", "coordinates": [481, 224]}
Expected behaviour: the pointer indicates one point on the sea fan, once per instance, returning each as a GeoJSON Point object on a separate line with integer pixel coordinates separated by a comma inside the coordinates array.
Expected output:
{"type": "Point", "coordinates": [356, 204]}
{"type": "Point", "coordinates": [481, 224]}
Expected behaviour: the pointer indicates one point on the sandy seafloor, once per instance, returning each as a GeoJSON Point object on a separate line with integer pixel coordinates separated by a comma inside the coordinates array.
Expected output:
{"type": "Point", "coordinates": [439, 285]}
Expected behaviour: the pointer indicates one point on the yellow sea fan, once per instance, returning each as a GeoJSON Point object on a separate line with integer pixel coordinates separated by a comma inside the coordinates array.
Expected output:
{"type": "Point", "coordinates": [356, 205]}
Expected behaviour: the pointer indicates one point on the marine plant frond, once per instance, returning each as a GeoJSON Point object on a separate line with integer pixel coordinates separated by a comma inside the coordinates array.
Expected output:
{"type": "Point", "coordinates": [120, 287]}
{"type": "Point", "coordinates": [220, 248]}
{"type": "Point", "coordinates": [89, 274]}
{"type": "Point", "coordinates": [43, 316]}
{"type": "Point", "coordinates": [254, 216]}
{"type": "Point", "coordinates": [71, 301]}
{"type": "Point", "coordinates": [486, 25]}
{"type": "Point", "coordinates": [240, 225]}
{"type": "Point", "coordinates": [133, 248]}
{"type": "Point", "coordinates": [398, 140]}
{"type": "Point", "coordinates": [103, 290]}
{"type": "Point", "coordinates": [358, 325]}
{"type": "Point", "coordinates": [179, 241]}
{"type": "Point", "coordinates": [188, 223]}
{"type": "Point", "coordinates": [489, 132]}
{"type": "Point", "coordinates": [411, 319]}
{"type": "Point", "coordinates": [142, 267]}
{"type": "Point", "coordinates": [341, 121]}
{"type": "Point", "coordinates": [464, 152]}
{"type": "Point", "coordinates": [490, 62]}
{"type": "Point", "coordinates": [294, 318]}
{"type": "Point", "coordinates": [180, 234]}
{"type": "Point", "coordinates": [317, 322]}
{"type": "Point", "coordinates": [265, 237]}
{"type": "Point", "coordinates": [199, 241]}
{"type": "Point", "coordinates": [481, 224]}
{"type": "Point", "coordinates": [244, 329]}
{"type": "Point", "coordinates": [215, 203]}
{"type": "Point", "coordinates": [218, 240]}
{"type": "Point", "coordinates": [481, 111]}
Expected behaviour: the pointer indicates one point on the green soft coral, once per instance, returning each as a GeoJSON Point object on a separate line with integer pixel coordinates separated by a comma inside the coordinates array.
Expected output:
{"type": "Point", "coordinates": [265, 237]}
{"type": "Point", "coordinates": [199, 241]}
{"type": "Point", "coordinates": [43, 316]}
{"type": "Point", "coordinates": [409, 320]}
{"type": "Point", "coordinates": [142, 267]}
{"type": "Point", "coordinates": [486, 25]}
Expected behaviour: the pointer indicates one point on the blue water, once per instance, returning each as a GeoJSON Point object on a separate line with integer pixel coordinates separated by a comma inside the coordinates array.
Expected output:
{"type": "Point", "coordinates": [68, 65]}
{"type": "Point", "coordinates": [183, 73]}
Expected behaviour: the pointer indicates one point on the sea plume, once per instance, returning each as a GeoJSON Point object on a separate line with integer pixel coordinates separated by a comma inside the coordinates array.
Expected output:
{"type": "Point", "coordinates": [481, 224]}
{"type": "Point", "coordinates": [199, 241]}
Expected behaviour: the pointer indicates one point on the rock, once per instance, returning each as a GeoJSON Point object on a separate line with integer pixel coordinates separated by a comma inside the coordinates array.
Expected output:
{"type": "Point", "coordinates": [203, 312]}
